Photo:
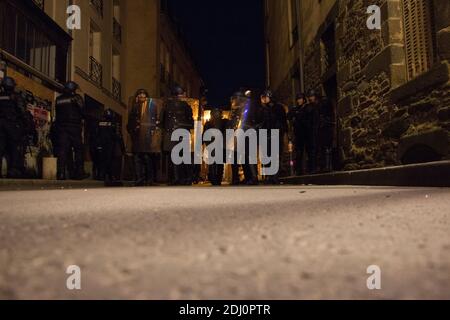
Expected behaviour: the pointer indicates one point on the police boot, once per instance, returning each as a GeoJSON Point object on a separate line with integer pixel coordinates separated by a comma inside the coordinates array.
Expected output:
{"type": "Point", "coordinates": [253, 170]}
{"type": "Point", "coordinates": [61, 176]}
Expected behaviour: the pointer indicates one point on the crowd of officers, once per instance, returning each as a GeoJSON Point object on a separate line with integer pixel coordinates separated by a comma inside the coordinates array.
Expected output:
{"type": "Point", "coordinates": [17, 129]}
{"type": "Point", "coordinates": [308, 125]}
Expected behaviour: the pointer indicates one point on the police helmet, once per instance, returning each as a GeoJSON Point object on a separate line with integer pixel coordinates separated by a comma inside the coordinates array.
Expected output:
{"type": "Point", "coordinates": [70, 87]}
{"type": "Point", "coordinates": [142, 91]}
{"type": "Point", "coordinates": [108, 115]}
{"type": "Point", "coordinates": [267, 93]}
{"type": "Point", "coordinates": [178, 91]}
{"type": "Point", "coordinates": [300, 96]}
{"type": "Point", "coordinates": [216, 113]}
{"type": "Point", "coordinates": [8, 83]}
{"type": "Point", "coordinates": [312, 93]}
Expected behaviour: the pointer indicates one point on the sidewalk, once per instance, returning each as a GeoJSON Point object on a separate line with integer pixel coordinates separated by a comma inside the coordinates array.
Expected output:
{"type": "Point", "coordinates": [433, 174]}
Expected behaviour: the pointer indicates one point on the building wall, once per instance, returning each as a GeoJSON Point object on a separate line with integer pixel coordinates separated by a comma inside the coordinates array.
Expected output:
{"type": "Point", "coordinates": [79, 55]}
{"type": "Point", "coordinates": [141, 51]}
{"type": "Point", "coordinates": [187, 75]}
{"type": "Point", "coordinates": [385, 118]}
{"type": "Point", "coordinates": [283, 55]}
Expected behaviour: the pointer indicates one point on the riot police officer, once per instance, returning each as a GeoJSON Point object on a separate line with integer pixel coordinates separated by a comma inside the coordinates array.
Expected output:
{"type": "Point", "coordinates": [143, 124]}
{"type": "Point", "coordinates": [311, 121]}
{"type": "Point", "coordinates": [244, 117]}
{"type": "Point", "coordinates": [69, 121]}
{"type": "Point", "coordinates": [216, 170]}
{"type": "Point", "coordinates": [302, 134]}
{"type": "Point", "coordinates": [11, 128]}
{"type": "Point", "coordinates": [324, 130]}
{"type": "Point", "coordinates": [176, 114]}
{"type": "Point", "coordinates": [110, 148]}
{"type": "Point", "coordinates": [273, 117]}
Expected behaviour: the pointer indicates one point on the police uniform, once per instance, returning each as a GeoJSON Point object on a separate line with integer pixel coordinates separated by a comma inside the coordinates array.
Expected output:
{"type": "Point", "coordinates": [216, 170]}
{"type": "Point", "coordinates": [244, 117]}
{"type": "Point", "coordinates": [69, 116]}
{"type": "Point", "coordinates": [143, 127]}
{"type": "Point", "coordinates": [273, 117]}
{"type": "Point", "coordinates": [176, 114]}
{"type": "Point", "coordinates": [325, 135]}
{"type": "Point", "coordinates": [302, 130]}
{"type": "Point", "coordinates": [11, 132]}
{"type": "Point", "coordinates": [110, 148]}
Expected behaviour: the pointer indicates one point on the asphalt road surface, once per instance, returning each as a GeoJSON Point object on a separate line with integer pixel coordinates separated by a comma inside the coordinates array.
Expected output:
{"type": "Point", "coordinates": [226, 243]}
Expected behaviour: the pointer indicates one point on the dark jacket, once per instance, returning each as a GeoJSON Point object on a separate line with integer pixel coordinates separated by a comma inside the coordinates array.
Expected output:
{"type": "Point", "coordinates": [109, 137]}
{"type": "Point", "coordinates": [10, 108]}
{"type": "Point", "coordinates": [273, 116]}
{"type": "Point", "coordinates": [69, 110]}
{"type": "Point", "coordinates": [297, 116]}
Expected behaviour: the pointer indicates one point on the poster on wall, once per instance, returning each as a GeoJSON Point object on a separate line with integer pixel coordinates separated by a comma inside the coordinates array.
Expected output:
{"type": "Point", "coordinates": [40, 109]}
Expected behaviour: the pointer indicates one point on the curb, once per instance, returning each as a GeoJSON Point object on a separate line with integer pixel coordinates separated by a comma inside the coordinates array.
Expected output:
{"type": "Point", "coordinates": [35, 184]}
{"type": "Point", "coordinates": [433, 174]}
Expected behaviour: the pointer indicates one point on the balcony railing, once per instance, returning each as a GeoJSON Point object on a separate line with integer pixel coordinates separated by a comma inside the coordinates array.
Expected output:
{"type": "Point", "coordinates": [39, 3]}
{"type": "Point", "coordinates": [98, 6]}
{"type": "Point", "coordinates": [116, 89]}
{"type": "Point", "coordinates": [117, 30]}
{"type": "Point", "coordinates": [95, 71]}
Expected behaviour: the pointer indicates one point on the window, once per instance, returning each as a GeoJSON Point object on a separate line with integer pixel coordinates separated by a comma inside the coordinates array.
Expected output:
{"type": "Point", "coordinates": [98, 6]}
{"type": "Point", "coordinates": [31, 42]}
{"type": "Point", "coordinates": [117, 28]}
{"type": "Point", "coordinates": [95, 67]}
{"type": "Point", "coordinates": [40, 3]}
{"type": "Point", "coordinates": [418, 36]}
{"type": "Point", "coordinates": [116, 85]}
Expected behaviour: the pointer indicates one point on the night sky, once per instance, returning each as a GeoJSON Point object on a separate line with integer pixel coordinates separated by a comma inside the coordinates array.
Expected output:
{"type": "Point", "coordinates": [226, 38]}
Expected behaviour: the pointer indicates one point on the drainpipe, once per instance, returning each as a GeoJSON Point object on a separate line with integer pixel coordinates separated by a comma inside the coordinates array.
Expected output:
{"type": "Point", "coordinates": [301, 46]}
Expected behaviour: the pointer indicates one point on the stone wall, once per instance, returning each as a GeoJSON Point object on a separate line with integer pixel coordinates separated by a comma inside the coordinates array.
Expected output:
{"type": "Point", "coordinates": [384, 118]}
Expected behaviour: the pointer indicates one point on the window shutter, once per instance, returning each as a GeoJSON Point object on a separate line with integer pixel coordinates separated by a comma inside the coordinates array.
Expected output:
{"type": "Point", "coordinates": [418, 36]}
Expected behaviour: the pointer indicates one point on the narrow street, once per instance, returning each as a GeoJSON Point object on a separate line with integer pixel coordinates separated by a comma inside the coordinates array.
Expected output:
{"type": "Point", "coordinates": [226, 243]}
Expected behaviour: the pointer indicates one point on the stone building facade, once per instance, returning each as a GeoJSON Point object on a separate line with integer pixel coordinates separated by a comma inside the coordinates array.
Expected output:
{"type": "Point", "coordinates": [390, 88]}
{"type": "Point", "coordinates": [283, 49]}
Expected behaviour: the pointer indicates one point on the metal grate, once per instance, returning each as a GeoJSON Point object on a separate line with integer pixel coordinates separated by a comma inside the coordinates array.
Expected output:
{"type": "Point", "coordinates": [116, 89]}
{"type": "Point", "coordinates": [418, 37]}
{"type": "Point", "coordinates": [98, 6]}
{"type": "Point", "coordinates": [117, 30]}
{"type": "Point", "coordinates": [95, 71]}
